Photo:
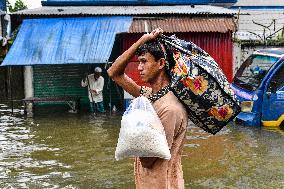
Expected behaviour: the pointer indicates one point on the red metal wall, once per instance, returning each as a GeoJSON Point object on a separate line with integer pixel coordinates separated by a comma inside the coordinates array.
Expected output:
{"type": "Point", "coordinates": [218, 45]}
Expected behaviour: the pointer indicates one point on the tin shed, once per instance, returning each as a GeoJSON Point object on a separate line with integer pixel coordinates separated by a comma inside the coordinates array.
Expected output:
{"type": "Point", "coordinates": [210, 27]}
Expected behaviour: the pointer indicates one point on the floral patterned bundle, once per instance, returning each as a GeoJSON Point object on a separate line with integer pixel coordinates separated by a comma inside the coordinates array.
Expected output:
{"type": "Point", "coordinates": [200, 85]}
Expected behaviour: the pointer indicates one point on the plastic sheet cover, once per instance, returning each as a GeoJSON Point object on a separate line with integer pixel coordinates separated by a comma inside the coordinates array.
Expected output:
{"type": "Point", "coordinates": [86, 40]}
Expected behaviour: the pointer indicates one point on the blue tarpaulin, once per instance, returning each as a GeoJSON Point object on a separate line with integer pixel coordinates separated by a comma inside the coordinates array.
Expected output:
{"type": "Point", "coordinates": [66, 40]}
{"type": "Point", "coordinates": [3, 5]}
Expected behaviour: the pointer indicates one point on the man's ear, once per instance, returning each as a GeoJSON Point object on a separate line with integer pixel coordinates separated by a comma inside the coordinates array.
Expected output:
{"type": "Point", "coordinates": [162, 63]}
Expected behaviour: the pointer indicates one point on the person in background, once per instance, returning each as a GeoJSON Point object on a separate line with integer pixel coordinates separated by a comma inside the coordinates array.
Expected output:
{"type": "Point", "coordinates": [153, 172]}
{"type": "Point", "coordinates": [95, 83]}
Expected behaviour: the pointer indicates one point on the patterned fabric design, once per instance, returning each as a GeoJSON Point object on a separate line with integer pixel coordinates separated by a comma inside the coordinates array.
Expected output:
{"type": "Point", "coordinates": [200, 85]}
{"type": "Point", "coordinates": [147, 92]}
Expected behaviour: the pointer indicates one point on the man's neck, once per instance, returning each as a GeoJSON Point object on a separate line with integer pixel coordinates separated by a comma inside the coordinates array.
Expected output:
{"type": "Point", "coordinates": [96, 77]}
{"type": "Point", "coordinates": [159, 83]}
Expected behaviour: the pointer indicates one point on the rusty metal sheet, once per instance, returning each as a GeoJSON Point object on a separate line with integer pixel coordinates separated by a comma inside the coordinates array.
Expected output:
{"type": "Point", "coordinates": [183, 24]}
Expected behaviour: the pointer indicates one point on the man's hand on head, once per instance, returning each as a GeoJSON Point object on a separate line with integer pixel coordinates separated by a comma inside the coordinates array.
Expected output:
{"type": "Point", "coordinates": [153, 35]}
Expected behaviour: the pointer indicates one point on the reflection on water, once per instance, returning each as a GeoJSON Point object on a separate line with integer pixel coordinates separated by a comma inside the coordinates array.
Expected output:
{"type": "Point", "coordinates": [243, 157]}
{"type": "Point", "coordinates": [63, 150]}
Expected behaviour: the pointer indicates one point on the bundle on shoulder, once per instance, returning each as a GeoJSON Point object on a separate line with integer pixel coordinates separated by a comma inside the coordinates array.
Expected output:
{"type": "Point", "coordinates": [199, 83]}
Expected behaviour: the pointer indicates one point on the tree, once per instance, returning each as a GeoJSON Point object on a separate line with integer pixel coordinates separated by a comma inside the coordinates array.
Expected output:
{"type": "Point", "coordinates": [19, 5]}
{"type": "Point", "coordinates": [6, 41]}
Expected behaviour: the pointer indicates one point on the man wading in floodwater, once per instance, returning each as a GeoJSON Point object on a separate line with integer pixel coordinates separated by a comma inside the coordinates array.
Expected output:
{"type": "Point", "coordinates": [95, 83]}
{"type": "Point", "coordinates": [153, 172]}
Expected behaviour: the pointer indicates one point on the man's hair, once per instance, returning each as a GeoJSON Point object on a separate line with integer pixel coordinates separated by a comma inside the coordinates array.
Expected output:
{"type": "Point", "coordinates": [153, 47]}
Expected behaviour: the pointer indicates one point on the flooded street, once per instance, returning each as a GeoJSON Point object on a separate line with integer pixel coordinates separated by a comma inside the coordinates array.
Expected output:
{"type": "Point", "coordinates": [64, 150]}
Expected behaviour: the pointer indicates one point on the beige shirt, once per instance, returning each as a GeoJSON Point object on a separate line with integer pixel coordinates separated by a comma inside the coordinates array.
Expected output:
{"type": "Point", "coordinates": [166, 174]}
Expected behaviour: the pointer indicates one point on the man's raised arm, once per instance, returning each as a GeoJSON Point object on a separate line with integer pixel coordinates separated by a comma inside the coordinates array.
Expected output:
{"type": "Point", "coordinates": [116, 71]}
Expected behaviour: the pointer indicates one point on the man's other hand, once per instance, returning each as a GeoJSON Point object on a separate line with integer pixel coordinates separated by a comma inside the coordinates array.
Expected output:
{"type": "Point", "coordinates": [94, 92]}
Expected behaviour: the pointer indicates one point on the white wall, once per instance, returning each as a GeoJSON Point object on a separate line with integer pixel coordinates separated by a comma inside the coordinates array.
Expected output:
{"type": "Point", "coordinates": [271, 17]}
{"type": "Point", "coordinates": [260, 3]}
{"type": "Point", "coordinates": [236, 57]}
{"type": "Point", "coordinates": [264, 17]}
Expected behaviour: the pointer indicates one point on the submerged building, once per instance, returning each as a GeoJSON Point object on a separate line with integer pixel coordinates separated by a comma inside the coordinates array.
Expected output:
{"type": "Point", "coordinates": [60, 42]}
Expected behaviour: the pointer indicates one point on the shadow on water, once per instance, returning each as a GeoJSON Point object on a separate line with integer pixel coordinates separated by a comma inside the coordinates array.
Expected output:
{"type": "Point", "coordinates": [56, 149]}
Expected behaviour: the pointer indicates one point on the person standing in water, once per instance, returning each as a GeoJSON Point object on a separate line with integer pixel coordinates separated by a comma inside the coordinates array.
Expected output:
{"type": "Point", "coordinates": [95, 83]}
{"type": "Point", "coordinates": [153, 172]}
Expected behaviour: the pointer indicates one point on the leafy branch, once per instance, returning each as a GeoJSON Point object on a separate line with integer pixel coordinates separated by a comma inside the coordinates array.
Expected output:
{"type": "Point", "coordinates": [19, 5]}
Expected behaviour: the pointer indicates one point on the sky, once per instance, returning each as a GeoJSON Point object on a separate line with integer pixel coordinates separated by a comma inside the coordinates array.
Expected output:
{"type": "Point", "coordinates": [30, 3]}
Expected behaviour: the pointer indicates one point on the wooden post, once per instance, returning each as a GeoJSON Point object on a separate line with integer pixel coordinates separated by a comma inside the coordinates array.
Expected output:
{"type": "Point", "coordinates": [10, 91]}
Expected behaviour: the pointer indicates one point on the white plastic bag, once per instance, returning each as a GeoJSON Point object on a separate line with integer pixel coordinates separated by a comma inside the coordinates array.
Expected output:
{"type": "Point", "coordinates": [142, 133]}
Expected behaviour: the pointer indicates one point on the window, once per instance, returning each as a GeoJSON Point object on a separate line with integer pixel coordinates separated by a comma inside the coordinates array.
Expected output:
{"type": "Point", "coordinates": [253, 70]}
{"type": "Point", "coordinates": [277, 81]}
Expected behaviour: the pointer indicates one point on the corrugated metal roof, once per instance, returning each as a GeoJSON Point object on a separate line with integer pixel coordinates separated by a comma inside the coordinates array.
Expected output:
{"type": "Point", "coordinates": [127, 10]}
{"type": "Point", "coordinates": [135, 2]}
{"type": "Point", "coordinates": [66, 40]}
{"type": "Point", "coordinates": [176, 24]}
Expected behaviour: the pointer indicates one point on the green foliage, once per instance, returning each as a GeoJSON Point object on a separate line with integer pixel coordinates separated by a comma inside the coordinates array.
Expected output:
{"type": "Point", "coordinates": [278, 40]}
{"type": "Point", "coordinates": [19, 5]}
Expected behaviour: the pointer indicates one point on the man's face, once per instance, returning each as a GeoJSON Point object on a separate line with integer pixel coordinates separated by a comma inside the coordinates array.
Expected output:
{"type": "Point", "coordinates": [97, 74]}
{"type": "Point", "coordinates": [148, 67]}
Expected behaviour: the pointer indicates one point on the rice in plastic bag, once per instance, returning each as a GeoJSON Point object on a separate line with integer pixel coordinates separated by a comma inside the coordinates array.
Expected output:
{"type": "Point", "coordinates": [142, 133]}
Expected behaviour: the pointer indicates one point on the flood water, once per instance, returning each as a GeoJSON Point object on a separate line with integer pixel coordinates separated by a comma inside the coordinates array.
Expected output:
{"type": "Point", "coordinates": [64, 150]}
